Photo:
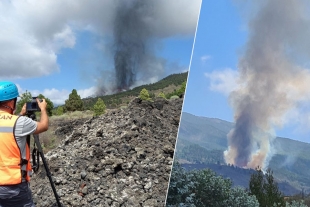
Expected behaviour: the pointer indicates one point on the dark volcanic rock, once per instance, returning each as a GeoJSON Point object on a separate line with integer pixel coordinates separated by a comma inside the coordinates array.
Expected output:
{"type": "Point", "coordinates": [65, 128]}
{"type": "Point", "coordinates": [122, 158]}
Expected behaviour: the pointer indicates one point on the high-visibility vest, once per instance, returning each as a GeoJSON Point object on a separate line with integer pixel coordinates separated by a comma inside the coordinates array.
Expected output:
{"type": "Point", "coordinates": [13, 168]}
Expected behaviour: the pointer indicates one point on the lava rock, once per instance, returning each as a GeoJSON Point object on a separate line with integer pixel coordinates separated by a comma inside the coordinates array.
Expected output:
{"type": "Point", "coordinates": [121, 158]}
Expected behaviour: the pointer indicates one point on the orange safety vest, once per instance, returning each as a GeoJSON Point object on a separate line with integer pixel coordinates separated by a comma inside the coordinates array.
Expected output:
{"type": "Point", "coordinates": [13, 168]}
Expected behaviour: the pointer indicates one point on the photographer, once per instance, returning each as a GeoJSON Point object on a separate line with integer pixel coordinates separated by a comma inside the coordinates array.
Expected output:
{"type": "Point", "coordinates": [15, 166]}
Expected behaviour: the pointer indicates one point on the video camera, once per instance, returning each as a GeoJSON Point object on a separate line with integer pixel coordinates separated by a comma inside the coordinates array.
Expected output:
{"type": "Point", "coordinates": [33, 105]}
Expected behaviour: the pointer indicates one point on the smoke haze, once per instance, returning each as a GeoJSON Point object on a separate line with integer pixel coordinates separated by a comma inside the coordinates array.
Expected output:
{"type": "Point", "coordinates": [273, 76]}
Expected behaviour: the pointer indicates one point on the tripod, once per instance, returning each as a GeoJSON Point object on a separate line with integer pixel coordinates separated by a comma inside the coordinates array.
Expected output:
{"type": "Point", "coordinates": [38, 152]}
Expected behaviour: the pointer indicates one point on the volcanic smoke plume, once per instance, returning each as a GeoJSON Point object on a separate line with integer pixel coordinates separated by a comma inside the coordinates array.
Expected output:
{"type": "Point", "coordinates": [138, 28]}
{"type": "Point", "coordinates": [273, 79]}
{"type": "Point", "coordinates": [131, 38]}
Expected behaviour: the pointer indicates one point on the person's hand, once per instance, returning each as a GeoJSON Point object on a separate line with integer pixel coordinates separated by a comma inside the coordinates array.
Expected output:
{"type": "Point", "coordinates": [42, 105]}
{"type": "Point", "coordinates": [23, 111]}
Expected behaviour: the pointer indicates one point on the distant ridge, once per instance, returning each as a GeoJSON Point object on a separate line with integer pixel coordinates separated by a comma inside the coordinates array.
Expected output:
{"type": "Point", "coordinates": [202, 141]}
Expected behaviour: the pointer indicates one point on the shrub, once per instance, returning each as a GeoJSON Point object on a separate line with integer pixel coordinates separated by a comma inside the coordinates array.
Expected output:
{"type": "Point", "coordinates": [99, 107]}
{"type": "Point", "coordinates": [60, 111]}
{"type": "Point", "coordinates": [205, 188]}
{"type": "Point", "coordinates": [144, 94]}
{"type": "Point", "coordinates": [161, 94]}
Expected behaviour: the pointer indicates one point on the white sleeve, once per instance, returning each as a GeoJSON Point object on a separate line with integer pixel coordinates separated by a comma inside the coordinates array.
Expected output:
{"type": "Point", "coordinates": [25, 126]}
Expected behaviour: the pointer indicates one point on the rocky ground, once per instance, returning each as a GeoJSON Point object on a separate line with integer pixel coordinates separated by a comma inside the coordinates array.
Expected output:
{"type": "Point", "coordinates": [122, 158]}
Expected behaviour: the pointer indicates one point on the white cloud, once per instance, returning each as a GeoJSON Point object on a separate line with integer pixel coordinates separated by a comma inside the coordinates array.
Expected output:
{"type": "Point", "coordinates": [34, 31]}
{"type": "Point", "coordinates": [64, 38]}
{"type": "Point", "coordinates": [84, 93]}
{"type": "Point", "coordinates": [224, 81]}
{"type": "Point", "coordinates": [205, 58]}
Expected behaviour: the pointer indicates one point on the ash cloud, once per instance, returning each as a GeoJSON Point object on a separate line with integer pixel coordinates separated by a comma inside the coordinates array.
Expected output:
{"type": "Point", "coordinates": [138, 29]}
{"type": "Point", "coordinates": [35, 32]}
{"type": "Point", "coordinates": [132, 36]}
{"type": "Point", "coordinates": [274, 78]}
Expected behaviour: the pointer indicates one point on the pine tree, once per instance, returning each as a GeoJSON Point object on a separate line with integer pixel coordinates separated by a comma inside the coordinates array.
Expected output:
{"type": "Point", "coordinates": [74, 103]}
{"type": "Point", "coordinates": [256, 186]}
{"type": "Point", "coordinates": [99, 107]}
{"type": "Point", "coordinates": [266, 189]}
{"type": "Point", "coordinates": [60, 110]}
{"type": "Point", "coordinates": [144, 94]}
{"type": "Point", "coordinates": [274, 196]}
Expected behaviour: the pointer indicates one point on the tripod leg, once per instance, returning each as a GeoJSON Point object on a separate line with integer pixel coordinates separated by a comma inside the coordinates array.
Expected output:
{"type": "Point", "coordinates": [48, 173]}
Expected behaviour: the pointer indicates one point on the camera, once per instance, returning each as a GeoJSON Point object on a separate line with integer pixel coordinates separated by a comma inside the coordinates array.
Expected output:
{"type": "Point", "coordinates": [33, 105]}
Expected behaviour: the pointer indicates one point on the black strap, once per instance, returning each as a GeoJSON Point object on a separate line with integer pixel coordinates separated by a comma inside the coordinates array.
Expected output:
{"type": "Point", "coordinates": [24, 174]}
{"type": "Point", "coordinates": [35, 156]}
{"type": "Point", "coordinates": [35, 160]}
{"type": "Point", "coordinates": [23, 162]}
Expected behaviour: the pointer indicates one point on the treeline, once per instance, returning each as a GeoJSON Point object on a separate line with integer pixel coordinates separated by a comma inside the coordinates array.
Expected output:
{"type": "Point", "coordinates": [73, 103]}
{"type": "Point", "coordinates": [27, 97]}
{"type": "Point", "coordinates": [199, 188]}
{"type": "Point", "coordinates": [174, 79]}
{"type": "Point", "coordinates": [100, 104]}
{"type": "Point", "coordinates": [117, 99]}
{"type": "Point", "coordinates": [200, 155]}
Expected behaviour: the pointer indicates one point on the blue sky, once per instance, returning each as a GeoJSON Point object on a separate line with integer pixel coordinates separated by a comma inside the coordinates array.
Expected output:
{"type": "Point", "coordinates": [52, 47]}
{"type": "Point", "coordinates": [219, 35]}
{"type": "Point", "coordinates": [220, 40]}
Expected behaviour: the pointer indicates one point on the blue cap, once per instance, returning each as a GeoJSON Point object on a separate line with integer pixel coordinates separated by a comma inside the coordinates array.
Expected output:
{"type": "Point", "coordinates": [8, 91]}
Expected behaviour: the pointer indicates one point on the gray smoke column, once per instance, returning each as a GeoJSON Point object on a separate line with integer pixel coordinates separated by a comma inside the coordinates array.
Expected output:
{"type": "Point", "coordinates": [133, 37]}
{"type": "Point", "coordinates": [273, 79]}
{"type": "Point", "coordinates": [137, 33]}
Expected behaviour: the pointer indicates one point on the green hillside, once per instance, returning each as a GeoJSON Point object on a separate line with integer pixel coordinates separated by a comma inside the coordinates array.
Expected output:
{"type": "Point", "coordinates": [203, 140]}
{"type": "Point", "coordinates": [168, 86]}
{"type": "Point", "coordinates": [207, 132]}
